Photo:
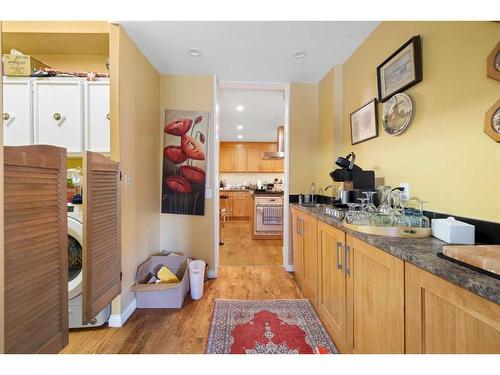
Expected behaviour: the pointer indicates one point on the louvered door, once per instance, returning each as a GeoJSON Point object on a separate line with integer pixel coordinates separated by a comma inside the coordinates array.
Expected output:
{"type": "Point", "coordinates": [101, 237]}
{"type": "Point", "coordinates": [36, 258]}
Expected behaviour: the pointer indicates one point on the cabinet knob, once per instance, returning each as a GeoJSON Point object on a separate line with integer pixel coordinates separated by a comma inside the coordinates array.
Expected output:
{"type": "Point", "coordinates": [108, 116]}
{"type": "Point", "coordinates": [57, 116]}
{"type": "Point", "coordinates": [5, 116]}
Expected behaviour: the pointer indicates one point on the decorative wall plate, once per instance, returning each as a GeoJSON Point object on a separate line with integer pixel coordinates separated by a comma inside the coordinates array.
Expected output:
{"type": "Point", "coordinates": [492, 121]}
{"type": "Point", "coordinates": [493, 63]}
{"type": "Point", "coordinates": [398, 113]}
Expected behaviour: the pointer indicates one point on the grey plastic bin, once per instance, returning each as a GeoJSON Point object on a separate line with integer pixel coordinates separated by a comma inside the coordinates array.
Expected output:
{"type": "Point", "coordinates": [162, 295]}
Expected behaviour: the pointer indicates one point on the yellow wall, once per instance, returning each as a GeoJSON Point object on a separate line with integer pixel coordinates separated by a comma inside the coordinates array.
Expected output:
{"type": "Point", "coordinates": [191, 235]}
{"type": "Point", "coordinates": [303, 137]}
{"type": "Point", "coordinates": [135, 117]}
{"type": "Point", "coordinates": [325, 131]}
{"type": "Point", "coordinates": [445, 156]}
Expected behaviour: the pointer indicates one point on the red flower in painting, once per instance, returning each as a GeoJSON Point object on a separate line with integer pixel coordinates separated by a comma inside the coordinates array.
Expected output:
{"type": "Point", "coordinates": [175, 154]}
{"type": "Point", "coordinates": [178, 126]}
{"type": "Point", "coordinates": [193, 174]}
{"type": "Point", "coordinates": [191, 148]}
{"type": "Point", "coordinates": [178, 184]}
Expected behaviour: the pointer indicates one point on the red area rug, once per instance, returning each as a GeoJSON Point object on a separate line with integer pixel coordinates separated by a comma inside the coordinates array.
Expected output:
{"type": "Point", "coordinates": [267, 327]}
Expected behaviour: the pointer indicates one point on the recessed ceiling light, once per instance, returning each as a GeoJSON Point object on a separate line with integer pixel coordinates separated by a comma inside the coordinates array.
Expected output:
{"type": "Point", "coordinates": [239, 127]}
{"type": "Point", "coordinates": [240, 136]}
{"type": "Point", "coordinates": [299, 54]}
{"type": "Point", "coordinates": [240, 108]}
{"type": "Point", "coordinates": [194, 52]}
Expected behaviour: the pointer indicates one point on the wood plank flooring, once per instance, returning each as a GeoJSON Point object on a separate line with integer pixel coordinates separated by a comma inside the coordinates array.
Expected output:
{"type": "Point", "coordinates": [240, 249]}
{"type": "Point", "coordinates": [185, 330]}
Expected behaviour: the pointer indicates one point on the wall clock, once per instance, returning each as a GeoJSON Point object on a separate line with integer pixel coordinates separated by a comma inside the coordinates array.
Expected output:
{"type": "Point", "coordinates": [493, 63]}
{"type": "Point", "coordinates": [492, 122]}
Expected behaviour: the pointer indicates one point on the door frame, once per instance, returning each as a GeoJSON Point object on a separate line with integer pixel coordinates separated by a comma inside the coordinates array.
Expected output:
{"type": "Point", "coordinates": [277, 86]}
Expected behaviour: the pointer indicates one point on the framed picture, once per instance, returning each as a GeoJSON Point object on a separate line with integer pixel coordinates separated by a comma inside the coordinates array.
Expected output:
{"type": "Point", "coordinates": [185, 146]}
{"type": "Point", "coordinates": [492, 122]}
{"type": "Point", "coordinates": [401, 70]}
{"type": "Point", "coordinates": [364, 123]}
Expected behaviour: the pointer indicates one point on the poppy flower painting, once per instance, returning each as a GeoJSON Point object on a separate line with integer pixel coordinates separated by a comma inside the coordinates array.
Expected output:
{"type": "Point", "coordinates": [185, 147]}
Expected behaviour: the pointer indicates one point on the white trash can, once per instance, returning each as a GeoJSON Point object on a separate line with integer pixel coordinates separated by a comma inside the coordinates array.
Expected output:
{"type": "Point", "coordinates": [196, 278]}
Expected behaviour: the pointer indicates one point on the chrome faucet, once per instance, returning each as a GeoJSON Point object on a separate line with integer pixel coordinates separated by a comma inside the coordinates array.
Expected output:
{"type": "Point", "coordinates": [333, 192]}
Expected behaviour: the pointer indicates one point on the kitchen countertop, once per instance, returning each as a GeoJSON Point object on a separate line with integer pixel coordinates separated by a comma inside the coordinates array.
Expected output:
{"type": "Point", "coordinates": [421, 252]}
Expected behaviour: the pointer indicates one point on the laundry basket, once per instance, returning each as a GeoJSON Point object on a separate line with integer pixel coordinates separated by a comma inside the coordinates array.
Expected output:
{"type": "Point", "coordinates": [196, 278]}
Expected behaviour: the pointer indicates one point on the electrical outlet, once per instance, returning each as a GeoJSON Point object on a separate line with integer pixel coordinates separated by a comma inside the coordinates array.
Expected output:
{"type": "Point", "coordinates": [406, 193]}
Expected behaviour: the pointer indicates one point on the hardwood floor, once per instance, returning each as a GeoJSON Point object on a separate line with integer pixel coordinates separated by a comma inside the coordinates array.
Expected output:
{"type": "Point", "coordinates": [185, 330]}
{"type": "Point", "coordinates": [240, 249]}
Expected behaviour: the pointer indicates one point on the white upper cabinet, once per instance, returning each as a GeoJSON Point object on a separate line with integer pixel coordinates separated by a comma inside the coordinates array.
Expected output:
{"type": "Point", "coordinates": [17, 112]}
{"type": "Point", "coordinates": [97, 120]}
{"type": "Point", "coordinates": [58, 113]}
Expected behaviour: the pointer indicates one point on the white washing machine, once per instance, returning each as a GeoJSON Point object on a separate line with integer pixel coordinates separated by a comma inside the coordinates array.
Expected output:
{"type": "Point", "coordinates": [75, 256]}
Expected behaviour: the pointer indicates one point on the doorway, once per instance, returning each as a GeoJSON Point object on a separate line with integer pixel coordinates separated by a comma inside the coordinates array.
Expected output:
{"type": "Point", "coordinates": [252, 122]}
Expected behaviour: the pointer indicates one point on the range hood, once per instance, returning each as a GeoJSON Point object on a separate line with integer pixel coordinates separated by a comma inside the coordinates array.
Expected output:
{"type": "Point", "coordinates": [280, 154]}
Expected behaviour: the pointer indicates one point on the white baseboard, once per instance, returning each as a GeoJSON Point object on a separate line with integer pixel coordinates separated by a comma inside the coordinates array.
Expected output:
{"type": "Point", "coordinates": [118, 321]}
{"type": "Point", "coordinates": [288, 268]}
{"type": "Point", "coordinates": [211, 274]}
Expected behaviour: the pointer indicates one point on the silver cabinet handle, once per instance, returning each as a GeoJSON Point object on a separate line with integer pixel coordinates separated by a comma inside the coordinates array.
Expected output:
{"type": "Point", "coordinates": [339, 248]}
{"type": "Point", "coordinates": [347, 250]}
{"type": "Point", "coordinates": [301, 227]}
{"type": "Point", "coordinates": [5, 116]}
{"type": "Point", "coordinates": [57, 116]}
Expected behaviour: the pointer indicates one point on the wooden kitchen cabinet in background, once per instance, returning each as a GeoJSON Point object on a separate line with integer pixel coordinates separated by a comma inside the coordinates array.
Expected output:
{"type": "Point", "coordinates": [297, 245]}
{"type": "Point", "coordinates": [247, 157]}
{"type": "Point", "coordinates": [238, 204]}
{"type": "Point", "coordinates": [444, 318]}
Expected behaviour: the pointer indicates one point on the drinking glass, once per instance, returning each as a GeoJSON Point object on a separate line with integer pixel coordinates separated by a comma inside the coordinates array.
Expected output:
{"type": "Point", "coordinates": [349, 216]}
{"type": "Point", "coordinates": [370, 206]}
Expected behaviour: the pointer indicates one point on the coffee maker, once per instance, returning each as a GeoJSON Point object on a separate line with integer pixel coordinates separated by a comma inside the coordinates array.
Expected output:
{"type": "Point", "coordinates": [354, 179]}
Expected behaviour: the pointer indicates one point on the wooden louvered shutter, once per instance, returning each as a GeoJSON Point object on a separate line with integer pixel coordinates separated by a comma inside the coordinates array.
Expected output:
{"type": "Point", "coordinates": [101, 234]}
{"type": "Point", "coordinates": [36, 250]}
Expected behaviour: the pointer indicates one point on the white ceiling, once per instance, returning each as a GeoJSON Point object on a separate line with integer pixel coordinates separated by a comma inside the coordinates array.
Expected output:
{"type": "Point", "coordinates": [258, 51]}
{"type": "Point", "coordinates": [262, 114]}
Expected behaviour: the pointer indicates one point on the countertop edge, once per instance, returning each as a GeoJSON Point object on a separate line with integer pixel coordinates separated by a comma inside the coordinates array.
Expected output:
{"type": "Point", "coordinates": [422, 254]}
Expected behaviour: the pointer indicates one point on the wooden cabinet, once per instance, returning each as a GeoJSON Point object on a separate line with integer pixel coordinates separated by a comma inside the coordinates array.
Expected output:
{"type": "Point", "coordinates": [444, 318]}
{"type": "Point", "coordinates": [248, 157]}
{"type": "Point", "coordinates": [97, 118]}
{"type": "Point", "coordinates": [250, 205]}
{"type": "Point", "coordinates": [239, 204]}
{"type": "Point", "coordinates": [309, 232]}
{"type": "Point", "coordinates": [305, 253]}
{"type": "Point", "coordinates": [233, 158]}
{"type": "Point", "coordinates": [333, 301]}
{"type": "Point", "coordinates": [58, 114]}
{"type": "Point", "coordinates": [297, 244]}
{"type": "Point", "coordinates": [377, 299]}
{"type": "Point", "coordinates": [17, 111]}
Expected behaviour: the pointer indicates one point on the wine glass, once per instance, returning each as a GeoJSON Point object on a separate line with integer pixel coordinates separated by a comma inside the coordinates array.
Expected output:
{"type": "Point", "coordinates": [349, 216]}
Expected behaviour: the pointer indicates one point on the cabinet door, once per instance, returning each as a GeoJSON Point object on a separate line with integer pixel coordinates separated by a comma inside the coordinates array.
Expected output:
{"type": "Point", "coordinates": [310, 276]}
{"type": "Point", "coordinates": [271, 165]}
{"type": "Point", "coordinates": [444, 318]}
{"type": "Point", "coordinates": [297, 244]}
{"type": "Point", "coordinates": [332, 291]}
{"type": "Point", "coordinates": [254, 158]}
{"type": "Point", "coordinates": [16, 115]}
{"type": "Point", "coordinates": [239, 205]}
{"type": "Point", "coordinates": [36, 249]}
{"type": "Point", "coordinates": [377, 299]}
{"type": "Point", "coordinates": [58, 114]}
{"type": "Point", "coordinates": [233, 158]}
{"type": "Point", "coordinates": [250, 205]}
{"type": "Point", "coordinates": [97, 122]}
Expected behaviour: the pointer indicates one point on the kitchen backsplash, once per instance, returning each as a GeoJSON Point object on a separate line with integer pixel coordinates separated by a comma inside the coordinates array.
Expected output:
{"type": "Point", "coordinates": [249, 178]}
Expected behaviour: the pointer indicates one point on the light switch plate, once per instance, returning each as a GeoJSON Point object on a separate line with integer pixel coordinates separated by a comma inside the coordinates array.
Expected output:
{"type": "Point", "coordinates": [406, 193]}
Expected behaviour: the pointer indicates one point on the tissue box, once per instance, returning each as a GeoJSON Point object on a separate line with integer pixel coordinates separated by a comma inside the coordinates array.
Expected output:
{"type": "Point", "coordinates": [453, 231]}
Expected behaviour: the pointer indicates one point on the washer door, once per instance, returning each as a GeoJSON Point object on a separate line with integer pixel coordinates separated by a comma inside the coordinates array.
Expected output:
{"type": "Point", "coordinates": [75, 255]}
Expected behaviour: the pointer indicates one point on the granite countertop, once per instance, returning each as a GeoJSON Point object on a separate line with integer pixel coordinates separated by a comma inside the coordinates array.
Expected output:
{"type": "Point", "coordinates": [421, 252]}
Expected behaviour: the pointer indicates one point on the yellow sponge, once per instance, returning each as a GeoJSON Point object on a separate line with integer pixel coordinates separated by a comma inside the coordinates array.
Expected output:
{"type": "Point", "coordinates": [166, 276]}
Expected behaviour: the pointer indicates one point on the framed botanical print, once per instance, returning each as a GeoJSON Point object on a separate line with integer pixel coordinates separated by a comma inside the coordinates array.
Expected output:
{"type": "Point", "coordinates": [401, 70]}
{"type": "Point", "coordinates": [364, 123]}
